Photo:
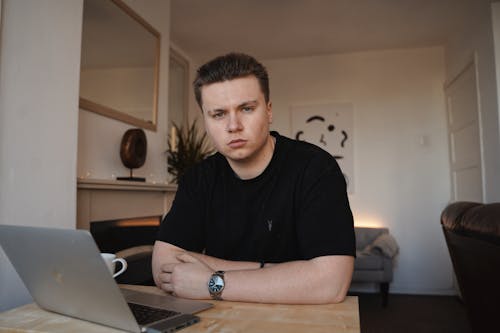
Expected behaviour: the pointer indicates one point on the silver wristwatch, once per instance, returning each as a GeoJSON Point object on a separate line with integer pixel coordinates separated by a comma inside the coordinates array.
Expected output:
{"type": "Point", "coordinates": [216, 285]}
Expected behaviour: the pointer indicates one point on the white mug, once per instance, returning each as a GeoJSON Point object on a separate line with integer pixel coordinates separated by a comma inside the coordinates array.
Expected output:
{"type": "Point", "coordinates": [110, 259]}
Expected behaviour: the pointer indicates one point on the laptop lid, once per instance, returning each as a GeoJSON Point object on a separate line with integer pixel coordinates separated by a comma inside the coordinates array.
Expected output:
{"type": "Point", "coordinates": [64, 273]}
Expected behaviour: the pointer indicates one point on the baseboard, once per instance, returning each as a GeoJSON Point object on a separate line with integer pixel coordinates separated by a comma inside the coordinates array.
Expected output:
{"type": "Point", "coordinates": [374, 288]}
{"type": "Point", "coordinates": [432, 292]}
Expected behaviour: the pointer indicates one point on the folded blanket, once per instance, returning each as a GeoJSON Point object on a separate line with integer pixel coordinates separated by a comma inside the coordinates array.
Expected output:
{"type": "Point", "coordinates": [384, 245]}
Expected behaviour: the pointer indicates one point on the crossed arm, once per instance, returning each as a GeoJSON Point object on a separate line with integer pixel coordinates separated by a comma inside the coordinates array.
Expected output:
{"type": "Point", "coordinates": [319, 280]}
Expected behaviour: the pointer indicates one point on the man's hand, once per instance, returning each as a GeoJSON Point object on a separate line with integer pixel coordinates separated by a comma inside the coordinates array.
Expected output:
{"type": "Point", "coordinates": [188, 278]}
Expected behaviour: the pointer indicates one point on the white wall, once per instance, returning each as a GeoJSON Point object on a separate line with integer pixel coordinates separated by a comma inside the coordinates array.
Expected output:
{"type": "Point", "coordinates": [401, 166]}
{"type": "Point", "coordinates": [495, 15]}
{"type": "Point", "coordinates": [39, 70]}
{"type": "Point", "coordinates": [475, 40]}
{"type": "Point", "coordinates": [99, 137]}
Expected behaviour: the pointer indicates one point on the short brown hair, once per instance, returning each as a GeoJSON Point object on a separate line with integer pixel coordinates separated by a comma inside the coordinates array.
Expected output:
{"type": "Point", "coordinates": [228, 67]}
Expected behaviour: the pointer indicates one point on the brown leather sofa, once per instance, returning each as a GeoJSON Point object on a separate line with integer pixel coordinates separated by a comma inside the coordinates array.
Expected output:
{"type": "Point", "coordinates": [472, 232]}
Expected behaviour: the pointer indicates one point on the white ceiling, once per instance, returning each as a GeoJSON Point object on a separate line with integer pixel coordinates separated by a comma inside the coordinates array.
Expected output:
{"type": "Point", "coordinates": [270, 29]}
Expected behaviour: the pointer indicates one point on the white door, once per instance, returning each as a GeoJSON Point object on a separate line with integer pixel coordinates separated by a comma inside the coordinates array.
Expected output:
{"type": "Point", "coordinates": [464, 135]}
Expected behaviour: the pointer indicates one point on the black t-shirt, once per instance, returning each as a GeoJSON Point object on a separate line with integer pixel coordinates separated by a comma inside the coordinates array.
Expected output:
{"type": "Point", "coordinates": [297, 209]}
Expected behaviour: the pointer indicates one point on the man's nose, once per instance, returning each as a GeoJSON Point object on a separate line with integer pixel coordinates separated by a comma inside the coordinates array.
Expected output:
{"type": "Point", "coordinates": [234, 122]}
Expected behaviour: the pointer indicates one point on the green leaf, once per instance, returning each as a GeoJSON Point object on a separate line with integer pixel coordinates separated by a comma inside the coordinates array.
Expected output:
{"type": "Point", "coordinates": [191, 149]}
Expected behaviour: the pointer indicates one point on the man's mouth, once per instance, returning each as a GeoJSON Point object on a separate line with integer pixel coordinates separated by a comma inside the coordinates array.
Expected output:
{"type": "Point", "coordinates": [237, 143]}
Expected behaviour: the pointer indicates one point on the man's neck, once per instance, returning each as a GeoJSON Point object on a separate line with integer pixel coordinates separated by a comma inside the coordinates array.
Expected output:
{"type": "Point", "coordinates": [254, 166]}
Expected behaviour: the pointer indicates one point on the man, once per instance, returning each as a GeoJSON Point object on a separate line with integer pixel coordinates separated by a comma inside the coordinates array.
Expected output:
{"type": "Point", "coordinates": [266, 219]}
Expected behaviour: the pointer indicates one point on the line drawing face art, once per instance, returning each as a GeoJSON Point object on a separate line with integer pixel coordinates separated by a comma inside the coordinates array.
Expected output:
{"type": "Point", "coordinates": [330, 127]}
{"type": "Point", "coordinates": [322, 138]}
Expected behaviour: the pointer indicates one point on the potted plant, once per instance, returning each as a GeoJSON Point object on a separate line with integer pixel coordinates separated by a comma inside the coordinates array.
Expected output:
{"type": "Point", "coordinates": [186, 147]}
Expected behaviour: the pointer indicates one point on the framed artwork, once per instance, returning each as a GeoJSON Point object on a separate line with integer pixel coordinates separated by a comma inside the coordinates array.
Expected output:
{"type": "Point", "coordinates": [330, 127]}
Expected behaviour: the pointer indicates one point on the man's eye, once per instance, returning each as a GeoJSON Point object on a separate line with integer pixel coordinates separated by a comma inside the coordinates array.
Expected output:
{"type": "Point", "coordinates": [218, 115]}
{"type": "Point", "coordinates": [247, 109]}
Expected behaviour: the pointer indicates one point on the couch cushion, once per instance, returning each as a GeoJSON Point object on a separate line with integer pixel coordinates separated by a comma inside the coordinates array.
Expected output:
{"type": "Point", "coordinates": [384, 245]}
{"type": "Point", "coordinates": [366, 261]}
{"type": "Point", "coordinates": [365, 236]}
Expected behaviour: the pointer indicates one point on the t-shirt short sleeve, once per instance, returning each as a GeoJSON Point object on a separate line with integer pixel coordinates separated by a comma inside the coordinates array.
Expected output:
{"type": "Point", "coordinates": [183, 225]}
{"type": "Point", "coordinates": [324, 223]}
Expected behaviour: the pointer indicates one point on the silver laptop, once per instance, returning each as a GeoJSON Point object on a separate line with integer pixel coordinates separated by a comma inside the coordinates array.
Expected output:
{"type": "Point", "coordinates": [64, 273]}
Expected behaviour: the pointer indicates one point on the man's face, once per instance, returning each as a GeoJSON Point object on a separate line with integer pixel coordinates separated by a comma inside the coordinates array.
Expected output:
{"type": "Point", "coordinates": [237, 118]}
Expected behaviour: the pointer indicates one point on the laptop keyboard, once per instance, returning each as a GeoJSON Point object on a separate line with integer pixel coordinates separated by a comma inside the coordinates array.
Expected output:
{"type": "Point", "coordinates": [145, 314]}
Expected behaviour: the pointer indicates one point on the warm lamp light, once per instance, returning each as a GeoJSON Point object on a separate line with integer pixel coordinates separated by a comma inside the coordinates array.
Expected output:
{"type": "Point", "coordinates": [368, 222]}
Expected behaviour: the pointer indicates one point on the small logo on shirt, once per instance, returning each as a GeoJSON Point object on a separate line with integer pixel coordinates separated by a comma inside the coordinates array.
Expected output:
{"type": "Point", "coordinates": [269, 225]}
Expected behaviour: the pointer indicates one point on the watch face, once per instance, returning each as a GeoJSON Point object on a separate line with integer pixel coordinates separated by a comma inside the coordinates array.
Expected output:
{"type": "Point", "coordinates": [216, 283]}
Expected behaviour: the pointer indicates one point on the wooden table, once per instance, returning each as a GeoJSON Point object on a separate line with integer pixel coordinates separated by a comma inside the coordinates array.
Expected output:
{"type": "Point", "coordinates": [223, 317]}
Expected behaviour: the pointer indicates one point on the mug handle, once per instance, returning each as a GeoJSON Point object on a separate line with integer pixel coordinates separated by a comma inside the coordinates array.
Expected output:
{"type": "Point", "coordinates": [124, 266]}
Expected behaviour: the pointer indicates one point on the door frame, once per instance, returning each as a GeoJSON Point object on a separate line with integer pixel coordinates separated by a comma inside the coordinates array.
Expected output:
{"type": "Point", "coordinates": [471, 61]}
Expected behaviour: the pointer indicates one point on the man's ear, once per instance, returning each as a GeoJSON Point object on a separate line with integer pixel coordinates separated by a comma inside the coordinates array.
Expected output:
{"type": "Point", "coordinates": [270, 111]}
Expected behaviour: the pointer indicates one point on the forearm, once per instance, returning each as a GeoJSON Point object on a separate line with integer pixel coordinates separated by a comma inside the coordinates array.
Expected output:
{"type": "Point", "coordinates": [225, 265]}
{"type": "Point", "coordinates": [319, 280]}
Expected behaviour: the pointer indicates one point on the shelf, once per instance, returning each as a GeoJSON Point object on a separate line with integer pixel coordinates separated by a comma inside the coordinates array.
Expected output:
{"type": "Point", "coordinates": [121, 185]}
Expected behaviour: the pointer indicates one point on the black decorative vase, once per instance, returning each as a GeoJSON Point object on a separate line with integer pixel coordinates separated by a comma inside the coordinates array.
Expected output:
{"type": "Point", "coordinates": [133, 150]}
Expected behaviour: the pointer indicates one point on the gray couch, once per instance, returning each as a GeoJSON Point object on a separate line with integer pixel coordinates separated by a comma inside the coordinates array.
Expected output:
{"type": "Point", "coordinates": [375, 252]}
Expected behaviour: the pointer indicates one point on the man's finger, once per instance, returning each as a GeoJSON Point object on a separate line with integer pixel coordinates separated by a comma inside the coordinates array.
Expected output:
{"type": "Point", "coordinates": [165, 277]}
{"type": "Point", "coordinates": [168, 268]}
{"type": "Point", "coordinates": [167, 287]}
{"type": "Point", "coordinates": [185, 257]}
